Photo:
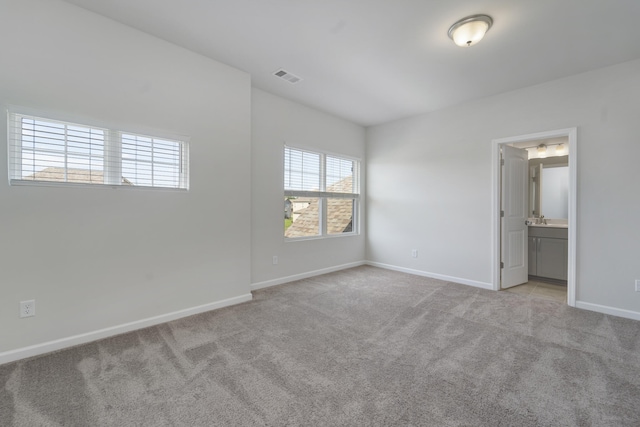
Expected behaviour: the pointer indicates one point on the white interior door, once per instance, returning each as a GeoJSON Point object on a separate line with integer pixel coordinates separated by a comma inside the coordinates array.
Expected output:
{"type": "Point", "coordinates": [514, 231]}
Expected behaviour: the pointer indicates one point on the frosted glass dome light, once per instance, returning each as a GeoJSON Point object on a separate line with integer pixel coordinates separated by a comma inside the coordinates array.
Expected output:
{"type": "Point", "coordinates": [470, 30]}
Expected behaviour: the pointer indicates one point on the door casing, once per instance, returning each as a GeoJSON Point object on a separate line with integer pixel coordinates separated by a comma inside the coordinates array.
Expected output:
{"type": "Point", "coordinates": [572, 135]}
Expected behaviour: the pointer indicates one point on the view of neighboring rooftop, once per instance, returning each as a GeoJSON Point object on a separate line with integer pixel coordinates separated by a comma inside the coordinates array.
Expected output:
{"type": "Point", "coordinates": [340, 219]}
{"type": "Point", "coordinates": [80, 176]}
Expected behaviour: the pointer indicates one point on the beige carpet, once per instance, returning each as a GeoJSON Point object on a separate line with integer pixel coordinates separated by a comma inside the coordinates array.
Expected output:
{"type": "Point", "coordinates": [360, 347]}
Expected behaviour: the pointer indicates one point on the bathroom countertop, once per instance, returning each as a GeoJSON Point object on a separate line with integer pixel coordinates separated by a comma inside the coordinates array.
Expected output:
{"type": "Point", "coordinates": [550, 225]}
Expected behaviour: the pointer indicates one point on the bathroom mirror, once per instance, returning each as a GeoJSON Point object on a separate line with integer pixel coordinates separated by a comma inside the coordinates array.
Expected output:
{"type": "Point", "coordinates": [549, 187]}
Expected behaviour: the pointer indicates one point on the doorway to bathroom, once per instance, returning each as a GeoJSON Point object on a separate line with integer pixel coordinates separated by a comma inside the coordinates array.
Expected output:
{"type": "Point", "coordinates": [528, 243]}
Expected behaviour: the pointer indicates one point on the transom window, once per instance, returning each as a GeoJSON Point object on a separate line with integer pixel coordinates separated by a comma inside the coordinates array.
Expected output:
{"type": "Point", "coordinates": [43, 150]}
{"type": "Point", "coordinates": [321, 194]}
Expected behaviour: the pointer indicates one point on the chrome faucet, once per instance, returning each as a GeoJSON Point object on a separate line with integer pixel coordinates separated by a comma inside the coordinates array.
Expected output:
{"type": "Point", "coordinates": [542, 220]}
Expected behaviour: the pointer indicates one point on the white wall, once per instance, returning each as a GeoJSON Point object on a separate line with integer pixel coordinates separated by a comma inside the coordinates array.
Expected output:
{"type": "Point", "coordinates": [276, 121]}
{"type": "Point", "coordinates": [94, 258]}
{"type": "Point", "coordinates": [429, 181]}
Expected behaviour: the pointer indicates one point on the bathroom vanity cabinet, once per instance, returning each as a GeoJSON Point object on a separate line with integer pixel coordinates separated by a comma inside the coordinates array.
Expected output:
{"type": "Point", "coordinates": [548, 252]}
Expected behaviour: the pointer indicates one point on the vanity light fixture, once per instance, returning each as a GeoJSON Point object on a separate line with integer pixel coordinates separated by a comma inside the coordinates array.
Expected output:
{"type": "Point", "coordinates": [470, 30]}
{"type": "Point", "coordinates": [542, 150]}
{"type": "Point", "coordinates": [560, 149]}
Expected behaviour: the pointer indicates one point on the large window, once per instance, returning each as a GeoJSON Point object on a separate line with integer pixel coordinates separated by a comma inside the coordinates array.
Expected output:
{"type": "Point", "coordinates": [321, 194]}
{"type": "Point", "coordinates": [43, 150]}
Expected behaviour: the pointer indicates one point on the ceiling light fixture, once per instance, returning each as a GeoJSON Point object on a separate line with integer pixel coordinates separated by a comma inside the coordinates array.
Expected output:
{"type": "Point", "coordinates": [470, 30]}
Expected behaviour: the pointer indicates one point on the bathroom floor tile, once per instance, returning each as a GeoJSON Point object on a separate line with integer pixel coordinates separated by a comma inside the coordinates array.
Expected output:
{"type": "Point", "coordinates": [535, 289]}
{"type": "Point", "coordinates": [555, 294]}
{"type": "Point", "coordinates": [524, 289]}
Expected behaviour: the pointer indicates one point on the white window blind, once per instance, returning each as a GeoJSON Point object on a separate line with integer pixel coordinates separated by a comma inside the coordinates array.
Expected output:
{"type": "Point", "coordinates": [48, 150]}
{"type": "Point", "coordinates": [318, 175]}
{"type": "Point", "coordinates": [151, 161]}
{"type": "Point", "coordinates": [302, 170]}
{"type": "Point", "coordinates": [43, 150]}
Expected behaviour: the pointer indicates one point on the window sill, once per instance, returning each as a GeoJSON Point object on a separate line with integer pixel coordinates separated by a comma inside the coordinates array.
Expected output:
{"type": "Point", "coordinates": [29, 183]}
{"type": "Point", "coordinates": [327, 236]}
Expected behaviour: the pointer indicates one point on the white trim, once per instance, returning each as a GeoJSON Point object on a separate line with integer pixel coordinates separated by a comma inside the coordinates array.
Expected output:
{"type": "Point", "coordinates": [572, 134]}
{"type": "Point", "coordinates": [319, 237]}
{"type": "Point", "coordinates": [319, 194]}
{"type": "Point", "coordinates": [28, 183]}
{"type": "Point", "coordinates": [293, 278]}
{"type": "Point", "coordinates": [47, 347]}
{"type": "Point", "coordinates": [613, 311]}
{"type": "Point", "coordinates": [469, 282]}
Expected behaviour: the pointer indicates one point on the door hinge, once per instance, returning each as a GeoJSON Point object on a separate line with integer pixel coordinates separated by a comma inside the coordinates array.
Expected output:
{"type": "Point", "coordinates": [501, 264]}
{"type": "Point", "coordinates": [501, 214]}
{"type": "Point", "coordinates": [502, 162]}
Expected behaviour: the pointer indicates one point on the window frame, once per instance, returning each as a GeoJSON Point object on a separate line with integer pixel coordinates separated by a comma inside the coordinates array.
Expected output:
{"type": "Point", "coordinates": [322, 195]}
{"type": "Point", "coordinates": [112, 156]}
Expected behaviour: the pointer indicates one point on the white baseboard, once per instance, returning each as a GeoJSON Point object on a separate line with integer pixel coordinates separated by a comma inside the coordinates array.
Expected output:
{"type": "Point", "coordinates": [47, 347]}
{"type": "Point", "coordinates": [306, 275]}
{"type": "Point", "coordinates": [469, 282]}
{"type": "Point", "coordinates": [619, 312]}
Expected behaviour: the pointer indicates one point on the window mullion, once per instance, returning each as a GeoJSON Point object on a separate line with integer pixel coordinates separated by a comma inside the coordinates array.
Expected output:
{"type": "Point", "coordinates": [355, 180]}
{"type": "Point", "coordinates": [184, 166]}
{"type": "Point", "coordinates": [355, 216]}
{"type": "Point", "coordinates": [16, 129]}
{"type": "Point", "coordinates": [322, 201]}
{"type": "Point", "coordinates": [323, 173]}
{"type": "Point", "coordinates": [66, 153]}
{"type": "Point", "coordinates": [112, 161]}
{"type": "Point", "coordinates": [153, 166]}
{"type": "Point", "coordinates": [322, 215]}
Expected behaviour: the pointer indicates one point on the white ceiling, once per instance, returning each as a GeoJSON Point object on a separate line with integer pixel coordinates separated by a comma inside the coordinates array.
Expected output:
{"type": "Point", "coordinates": [373, 61]}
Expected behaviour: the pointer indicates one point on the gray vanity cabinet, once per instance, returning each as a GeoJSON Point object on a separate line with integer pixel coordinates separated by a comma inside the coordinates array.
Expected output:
{"type": "Point", "coordinates": [548, 252]}
{"type": "Point", "coordinates": [533, 255]}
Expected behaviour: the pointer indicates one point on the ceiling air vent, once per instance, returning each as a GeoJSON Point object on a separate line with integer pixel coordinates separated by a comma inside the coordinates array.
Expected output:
{"type": "Point", "coordinates": [291, 78]}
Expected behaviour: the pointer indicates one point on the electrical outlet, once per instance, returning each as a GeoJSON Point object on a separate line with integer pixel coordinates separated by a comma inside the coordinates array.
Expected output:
{"type": "Point", "coordinates": [275, 259]}
{"type": "Point", "coordinates": [637, 285]}
{"type": "Point", "coordinates": [414, 253]}
{"type": "Point", "coordinates": [28, 308]}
